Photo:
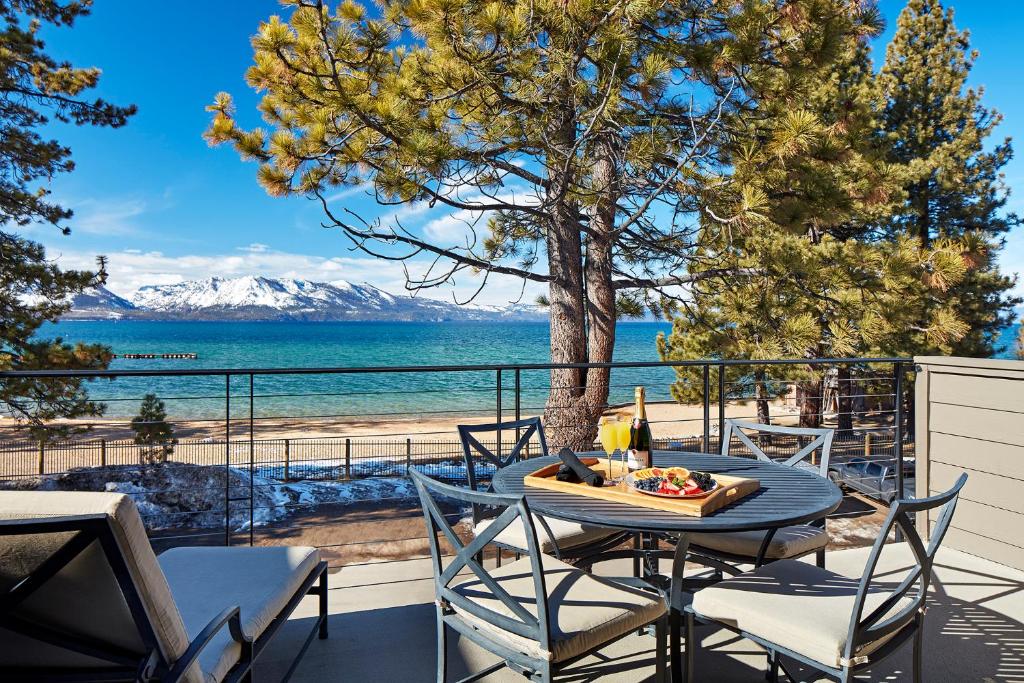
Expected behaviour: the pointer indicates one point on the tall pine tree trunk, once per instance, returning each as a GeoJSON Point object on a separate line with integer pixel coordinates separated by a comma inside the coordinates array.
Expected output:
{"type": "Point", "coordinates": [844, 404]}
{"type": "Point", "coordinates": [761, 394]}
{"type": "Point", "coordinates": [808, 395]}
{"type": "Point", "coordinates": [582, 312]}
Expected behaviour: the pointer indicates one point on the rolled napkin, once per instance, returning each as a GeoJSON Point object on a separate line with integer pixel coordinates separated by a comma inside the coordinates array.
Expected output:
{"type": "Point", "coordinates": [576, 466]}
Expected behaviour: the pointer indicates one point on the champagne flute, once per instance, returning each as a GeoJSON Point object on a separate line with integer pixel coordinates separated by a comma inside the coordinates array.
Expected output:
{"type": "Point", "coordinates": [608, 434]}
{"type": "Point", "coordinates": [623, 439]}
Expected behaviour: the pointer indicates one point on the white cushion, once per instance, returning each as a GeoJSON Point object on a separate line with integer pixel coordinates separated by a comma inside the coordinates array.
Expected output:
{"type": "Point", "coordinates": [566, 534]}
{"type": "Point", "coordinates": [261, 581]}
{"type": "Point", "coordinates": [794, 605]}
{"type": "Point", "coordinates": [83, 598]}
{"type": "Point", "coordinates": [584, 611]}
{"type": "Point", "coordinates": [788, 542]}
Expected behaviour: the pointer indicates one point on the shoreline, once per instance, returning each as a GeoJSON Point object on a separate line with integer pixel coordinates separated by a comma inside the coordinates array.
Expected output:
{"type": "Point", "coordinates": [667, 419]}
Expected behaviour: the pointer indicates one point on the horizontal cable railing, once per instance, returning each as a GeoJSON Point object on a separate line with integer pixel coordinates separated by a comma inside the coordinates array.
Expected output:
{"type": "Point", "coordinates": [320, 455]}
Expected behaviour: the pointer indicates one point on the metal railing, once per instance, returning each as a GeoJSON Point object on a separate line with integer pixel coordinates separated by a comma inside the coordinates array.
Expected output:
{"type": "Point", "coordinates": [237, 414]}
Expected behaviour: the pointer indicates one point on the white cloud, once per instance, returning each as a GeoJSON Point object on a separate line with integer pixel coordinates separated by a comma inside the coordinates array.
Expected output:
{"type": "Point", "coordinates": [106, 217]}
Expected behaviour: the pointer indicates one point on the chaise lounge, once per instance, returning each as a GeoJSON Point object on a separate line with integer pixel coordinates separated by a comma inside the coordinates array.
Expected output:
{"type": "Point", "coordinates": [83, 597]}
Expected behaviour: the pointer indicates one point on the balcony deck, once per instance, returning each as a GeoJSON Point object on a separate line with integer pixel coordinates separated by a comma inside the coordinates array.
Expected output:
{"type": "Point", "coordinates": [382, 628]}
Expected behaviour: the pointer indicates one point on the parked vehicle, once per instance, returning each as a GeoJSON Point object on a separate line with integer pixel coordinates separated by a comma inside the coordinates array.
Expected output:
{"type": "Point", "coordinates": [874, 478]}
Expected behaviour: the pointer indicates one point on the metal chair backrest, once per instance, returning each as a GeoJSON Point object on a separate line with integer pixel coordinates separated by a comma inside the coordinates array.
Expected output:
{"type": "Point", "coordinates": [820, 438]}
{"type": "Point", "coordinates": [512, 510]}
{"type": "Point", "coordinates": [474, 451]}
{"type": "Point", "coordinates": [880, 623]}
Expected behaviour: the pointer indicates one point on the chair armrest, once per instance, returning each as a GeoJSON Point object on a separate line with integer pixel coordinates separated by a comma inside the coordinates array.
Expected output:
{"type": "Point", "coordinates": [230, 616]}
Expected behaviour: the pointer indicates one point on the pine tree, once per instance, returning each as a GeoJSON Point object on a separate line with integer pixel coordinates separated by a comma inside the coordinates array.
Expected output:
{"type": "Point", "coordinates": [812, 180]}
{"type": "Point", "coordinates": [937, 129]}
{"type": "Point", "coordinates": [584, 136]}
{"type": "Point", "coordinates": [153, 432]}
{"type": "Point", "coordinates": [35, 88]}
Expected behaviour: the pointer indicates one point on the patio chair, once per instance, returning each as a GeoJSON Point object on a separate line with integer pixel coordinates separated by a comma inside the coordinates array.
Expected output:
{"type": "Point", "coordinates": [788, 542]}
{"type": "Point", "coordinates": [829, 622]}
{"type": "Point", "coordinates": [565, 540]}
{"type": "Point", "coordinates": [537, 613]}
{"type": "Point", "coordinates": [83, 597]}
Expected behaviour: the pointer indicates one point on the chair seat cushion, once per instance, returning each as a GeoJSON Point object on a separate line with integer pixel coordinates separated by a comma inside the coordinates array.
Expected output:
{"type": "Point", "coordinates": [585, 611]}
{"type": "Point", "coordinates": [261, 581]}
{"type": "Point", "coordinates": [566, 534]}
{"type": "Point", "coordinates": [788, 542]}
{"type": "Point", "coordinates": [794, 605]}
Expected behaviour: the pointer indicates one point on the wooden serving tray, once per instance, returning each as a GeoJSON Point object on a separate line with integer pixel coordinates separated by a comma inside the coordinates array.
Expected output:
{"type": "Point", "coordinates": [730, 490]}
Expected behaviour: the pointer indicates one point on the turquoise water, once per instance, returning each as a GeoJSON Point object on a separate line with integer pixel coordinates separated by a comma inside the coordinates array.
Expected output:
{"type": "Point", "coordinates": [344, 344]}
{"type": "Point", "coordinates": [351, 344]}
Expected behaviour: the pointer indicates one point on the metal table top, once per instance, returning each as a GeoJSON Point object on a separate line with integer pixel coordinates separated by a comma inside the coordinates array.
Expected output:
{"type": "Point", "coordinates": [787, 496]}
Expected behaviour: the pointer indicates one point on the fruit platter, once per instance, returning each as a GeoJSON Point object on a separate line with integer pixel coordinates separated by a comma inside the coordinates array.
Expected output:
{"type": "Point", "coordinates": [672, 482]}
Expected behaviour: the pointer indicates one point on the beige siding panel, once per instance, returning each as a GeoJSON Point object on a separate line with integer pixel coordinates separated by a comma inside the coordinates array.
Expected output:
{"type": "Point", "coordinates": [978, 423]}
{"type": "Point", "coordinates": [980, 392]}
{"type": "Point", "coordinates": [983, 456]}
{"type": "Point", "coordinates": [981, 487]}
{"type": "Point", "coordinates": [988, 521]}
{"type": "Point", "coordinates": [973, 544]}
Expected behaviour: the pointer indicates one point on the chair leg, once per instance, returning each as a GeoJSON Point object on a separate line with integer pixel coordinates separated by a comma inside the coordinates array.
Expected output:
{"type": "Point", "coordinates": [323, 605]}
{"type": "Point", "coordinates": [689, 648]}
{"type": "Point", "coordinates": [773, 667]}
{"type": "Point", "coordinates": [660, 645]}
{"type": "Point", "coordinates": [918, 647]}
{"type": "Point", "coordinates": [442, 649]}
{"type": "Point", "coordinates": [819, 558]}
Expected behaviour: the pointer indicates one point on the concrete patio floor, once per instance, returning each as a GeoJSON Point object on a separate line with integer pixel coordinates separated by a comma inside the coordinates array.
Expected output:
{"type": "Point", "coordinates": [382, 629]}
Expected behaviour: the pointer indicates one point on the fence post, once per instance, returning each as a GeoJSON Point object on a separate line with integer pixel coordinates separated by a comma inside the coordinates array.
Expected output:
{"type": "Point", "coordinates": [721, 404]}
{"type": "Point", "coordinates": [348, 459]}
{"type": "Point", "coordinates": [867, 445]}
{"type": "Point", "coordinates": [497, 408]}
{"type": "Point", "coordinates": [705, 442]}
{"type": "Point", "coordinates": [898, 420]}
{"type": "Point", "coordinates": [408, 455]}
{"type": "Point", "coordinates": [42, 457]}
{"type": "Point", "coordinates": [227, 459]}
{"type": "Point", "coordinates": [103, 452]}
{"type": "Point", "coordinates": [287, 457]}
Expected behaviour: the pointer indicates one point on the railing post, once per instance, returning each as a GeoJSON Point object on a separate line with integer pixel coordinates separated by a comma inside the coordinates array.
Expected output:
{"type": "Point", "coordinates": [42, 457]}
{"type": "Point", "coordinates": [103, 452]}
{"type": "Point", "coordinates": [721, 404]}
{"type": "Point", "coordinates": [898, 446]}
{"type": "Point", "coordinates": [497, 408]}
{"type": "Point", "coordinates": [867, 445]}
{"type": "Point", "coordinates": [227, 459]}
{"type": "Point", "coordinates": [252, 465]}
{"type": "Point", "coordinates": [518, 413]}
{"type": "Point", "coordinates": [287, 458]}
{"type": "Point", "coordinates": [408, 454]}
{"type": "Point", "coordinates": [706, 442]}
{"type": "Point", "coordinates": [348, 459]}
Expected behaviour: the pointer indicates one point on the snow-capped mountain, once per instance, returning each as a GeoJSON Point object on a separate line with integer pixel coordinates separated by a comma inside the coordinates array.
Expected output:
{"type": "Point", "coordinates": [99, 302]}
{"type": "Point", "coordinates": [261, 298]}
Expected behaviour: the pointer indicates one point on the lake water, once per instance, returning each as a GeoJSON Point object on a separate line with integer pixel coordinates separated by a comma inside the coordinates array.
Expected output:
{"type": "Point", "coordinates": [349, 344]}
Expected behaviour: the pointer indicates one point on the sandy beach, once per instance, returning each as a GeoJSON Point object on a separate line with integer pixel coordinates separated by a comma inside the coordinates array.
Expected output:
{"type": "Point", "coordinates": [668, 419]}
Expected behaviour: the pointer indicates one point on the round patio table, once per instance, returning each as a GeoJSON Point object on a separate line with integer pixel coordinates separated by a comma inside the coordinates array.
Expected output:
{"type": "Point", "coordinates": [788, 495]}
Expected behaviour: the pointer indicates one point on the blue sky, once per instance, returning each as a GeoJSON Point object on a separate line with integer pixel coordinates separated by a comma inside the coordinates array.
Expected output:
{"type": "Point", "coordinates": [165, 207]}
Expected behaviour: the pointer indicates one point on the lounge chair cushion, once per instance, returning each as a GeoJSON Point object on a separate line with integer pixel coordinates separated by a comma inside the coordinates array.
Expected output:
{"type": "Point", "coordinates": [788, 542]}
{"type": "Point", "coordinates": [585, 611]}
{"type": "Point", "coordinates": [261, 581]}
{"type": "Point", "coordinates": [566, 534]}
{"type": "Point", "coordinates": [83, 598]}
{"type": "Point", "coordinates": [794, 605]}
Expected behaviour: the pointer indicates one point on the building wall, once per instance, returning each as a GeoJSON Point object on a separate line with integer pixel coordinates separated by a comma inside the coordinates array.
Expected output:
{"type": "Point", "coordinates": [970, 418]}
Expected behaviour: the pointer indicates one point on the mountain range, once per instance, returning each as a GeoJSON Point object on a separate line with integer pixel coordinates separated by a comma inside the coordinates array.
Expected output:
{"type": "Point", "coordinates": [264, 299]}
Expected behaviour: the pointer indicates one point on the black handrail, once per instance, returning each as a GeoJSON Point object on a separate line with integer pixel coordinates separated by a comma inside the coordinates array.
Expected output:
{"type": "Point", "coordinates": [492, 367]}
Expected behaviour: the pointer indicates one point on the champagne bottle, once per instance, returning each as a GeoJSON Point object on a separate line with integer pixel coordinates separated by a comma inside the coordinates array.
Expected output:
{"type": "Point", "coordinates": [640, 433]}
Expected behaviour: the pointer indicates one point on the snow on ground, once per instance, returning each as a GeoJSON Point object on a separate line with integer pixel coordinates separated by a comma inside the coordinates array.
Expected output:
{"type": "Point", "coordinates": [180, 495]}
